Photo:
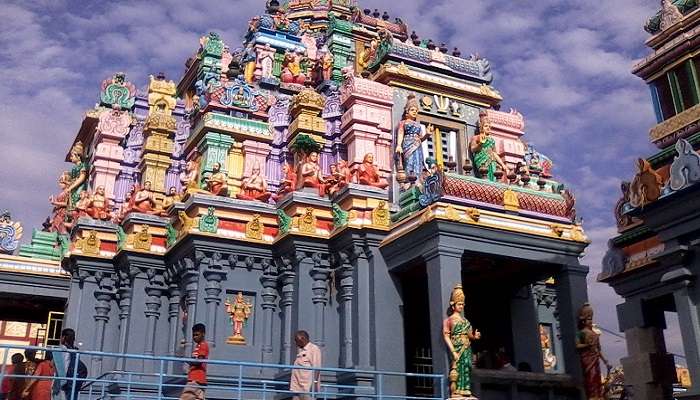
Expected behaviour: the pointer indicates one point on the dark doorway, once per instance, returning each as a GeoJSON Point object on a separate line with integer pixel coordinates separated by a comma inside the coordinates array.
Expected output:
{"type": "Point", "coordinates": [416, 319]}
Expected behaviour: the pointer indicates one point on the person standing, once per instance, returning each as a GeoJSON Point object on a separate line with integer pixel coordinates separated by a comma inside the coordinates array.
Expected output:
{"type": "Point", "coordinates": [197, 374]}
{"type": "Point", "coordinates": [8, 382]}
{"type": "Point", "coordinates": [40, 386]}
{"type": "Point", "coordinates": [304, 381]}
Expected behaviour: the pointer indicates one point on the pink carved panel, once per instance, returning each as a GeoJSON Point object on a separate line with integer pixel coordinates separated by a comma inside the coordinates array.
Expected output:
{"type": "Point", "coordinates": [507, 129]}
{"type": "Point", "coordinates": [255, 152]}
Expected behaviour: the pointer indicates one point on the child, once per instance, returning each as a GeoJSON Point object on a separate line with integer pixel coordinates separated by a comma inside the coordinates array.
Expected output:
{"type": "Point", "coordinates": [197, 375]}
{"type": "Point", "coordinates": [8, 383]}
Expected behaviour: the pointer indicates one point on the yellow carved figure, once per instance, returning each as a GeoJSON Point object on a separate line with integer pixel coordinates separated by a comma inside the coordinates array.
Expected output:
{"type": "Point", "coordinates": [239, 310]}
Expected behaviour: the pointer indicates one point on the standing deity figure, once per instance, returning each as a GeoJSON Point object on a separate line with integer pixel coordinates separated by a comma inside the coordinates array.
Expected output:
{"type": "Point", "coordinates": [78, 174]}
{"type": "Point", "coordinates": [60, 205]}
{"type": "Point", "coordinates": [327, 66]}
{"type": "Point", "coordinates": [216, 182]}
{"type": "Point", "coordinates": [458, 334]}
{"type": "Point", "coordinates": [309, 174]}
{"type": "Point", "coordinates": [248, 60]}
{"type": "Point", "coordinates": [367, 173]}
{"type": "Point", "coordinates": [409, 137]}
{"type": "Point", "coordinates": [483, 148]}
{"type": "Point", "coordinates": [239, 311]}
{"type": "Point", "coordinates": [291, 68]}
{"type": "Point", "coordinates": [254, 187]}
{"type": "Point", "coordinates": [588, 346]}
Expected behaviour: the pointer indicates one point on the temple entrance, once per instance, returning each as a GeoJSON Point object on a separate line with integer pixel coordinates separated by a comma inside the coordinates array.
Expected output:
{"type": "Point", "coordinates": [414, 285]}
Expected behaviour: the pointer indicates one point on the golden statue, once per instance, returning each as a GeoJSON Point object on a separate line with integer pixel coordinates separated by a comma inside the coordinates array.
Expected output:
{"type": "Point", "coordinates": [239, 311]}
{"type": "Point", "coordinates": [458, 334]}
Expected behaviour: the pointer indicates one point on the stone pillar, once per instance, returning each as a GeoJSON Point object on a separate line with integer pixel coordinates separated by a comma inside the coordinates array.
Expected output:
{"type": "Point", "coordinates": [255, 153]}
{"type": "Point", "coordinates": [320, 274]}
{"type": "Point", "coordinates": [649, 370]}
{"type": "Point", "coordinates": [124, 297]}
{"type": "Point", "coordinates": [286, 278]}
{"type": "Point", "coordinates": [687, 304]}
{"type": "Point", "coordinates": [570, 285]}
{"type": "Point", "coordinates": [345, 273]}
{"type": "Point", "coordinates": [214, 274]}
{"type": "Point", "coordinates": [366, 123]}
{"type": "Point", "coordinates": [362, 308]}
{"type": "Point", "coordinates": [525, 327]}
{"type": "Point", "coordinates": [104, 296]}
{"type": "Point", "coordinates": [107, 154]}
{"type": "Point", "coordinates": [444, 270]}
{"type": "Point", "coordinates": [173, 318]}
{"type": "Point", "coordinates": [154, 291]}
{"type": "Point", "coordinates": [269, 294]}
{"type": "Point", "coordinates": [235, 162]}
{"type": "Point", "coordinates": [190, 279]}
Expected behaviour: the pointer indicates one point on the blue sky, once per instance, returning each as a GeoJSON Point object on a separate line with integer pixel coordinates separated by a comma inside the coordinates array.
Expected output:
{"type": "Point", "coordinates": [563, 64]}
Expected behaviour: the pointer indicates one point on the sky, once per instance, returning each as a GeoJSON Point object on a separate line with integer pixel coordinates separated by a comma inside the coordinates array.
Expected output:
{"type": "Point", "coordinates": [565, 64]}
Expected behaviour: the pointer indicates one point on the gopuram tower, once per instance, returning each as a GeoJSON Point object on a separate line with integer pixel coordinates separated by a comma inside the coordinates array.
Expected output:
{"type": "Point", "coordinates": [654, 262]}
{"type": "Point", "coordinates": [336, 173]}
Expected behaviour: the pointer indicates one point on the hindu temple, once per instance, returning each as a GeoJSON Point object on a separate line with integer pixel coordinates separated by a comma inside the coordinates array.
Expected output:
{"type": "Point", "coordinates": [653, 261]}
{"type": "Point", "coordinates": [333, 172]}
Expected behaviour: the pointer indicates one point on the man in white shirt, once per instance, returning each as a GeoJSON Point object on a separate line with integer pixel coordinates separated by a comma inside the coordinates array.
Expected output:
{"type": "Point", "coordinates": [304, 382]}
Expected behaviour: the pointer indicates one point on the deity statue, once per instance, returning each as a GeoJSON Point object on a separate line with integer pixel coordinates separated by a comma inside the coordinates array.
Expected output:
{"type": "Point", "coordinates": [458, 334]}
{"type": "Point", "coordinates": [288, 182]}
{"type": "Point", "coordinates": [483, 148]}
{"type": "Point", "coordinates": [327, 65]}
{"type": "Point", "coordinates": [248, 60]}
{"type": "Point", "coordinates": [78, 174]}
{"type": "Point", "coordinates": [549, 359]}
{"type": "Point", "coordinates": [170, 198]}
{"type": "Point", "coordinates": [366, 54]}
{"type": "Point", "coordinates": [409, 136]}
{"type": "Point", "coordinates": [367, 173]}
{"type": "Point", "coordinates": [254, 187]}
{"type": "Point", "coordinates": [291, 69]}
{"type": "Point", "coordinates": [333, 181]}
{"type": "Point", "coordinates": [309, 174]}
{"type": "Point", "coordinates": [81, 206]}
{"type": "Point", "coordinates": [60, 205]}
{"type": "Point", "coordinates": [239, 311]}
{"type": "Point", "coordinates": [588, 346]}
{"type": "Point", "coordinates": [98, 207]}
{"type": "Point", "coordinates": [190, 178]}
{"type": "Point", "coordinates": [216, 182]}
{"type": "Point", "coordinates": [143, 200]}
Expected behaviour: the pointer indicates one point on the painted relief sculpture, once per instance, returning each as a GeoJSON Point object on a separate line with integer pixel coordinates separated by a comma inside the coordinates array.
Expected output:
{"type": "Point", "coordinates": [288, 183]}
{"type": "Point", "coordinates": [216, 182]}
{"type": "Point", "coordinates": [189, 178]}
{"type": "Point", "coordinates": [646, 185]}
{"type": "Point", "coordinates": [367, 173]}
{"type": "Point", "coordinates": [588, 345]}
{"type": "Point", "coordinates": [60, 204]}
{"type": "Point", "coordinates": [239, 310]}
{"type": "Point", "coordinates": [458, 334]}
{"type": "Point", "coordinates": [309, 174]}
{"type": "Point", "coordinates": [78, 174]}
{"type": "Point", "coordinates": [254, 187]}
{"type": "Point", "coordinates": [486, 158]}
{"type": "Point", "coordinates": [409, 137]}
{"type": "Point", "coordinates": [10, 233]}
{"type": "Point", "coordinates": [99, 205]}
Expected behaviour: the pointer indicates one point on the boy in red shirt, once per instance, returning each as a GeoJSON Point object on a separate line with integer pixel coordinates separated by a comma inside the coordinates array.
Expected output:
{"type": "Point", "coordinates": [197, 375]}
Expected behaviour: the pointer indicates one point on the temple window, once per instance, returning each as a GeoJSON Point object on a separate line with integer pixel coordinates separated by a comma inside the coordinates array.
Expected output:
{"type": "Point", "coordinates": [663, 98]}
{"type": "Point", "coordinates": [684, 85]}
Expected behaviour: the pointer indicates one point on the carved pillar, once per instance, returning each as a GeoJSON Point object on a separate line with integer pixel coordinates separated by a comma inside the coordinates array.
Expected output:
{"type": "Point", "coordinates": [571, 295]}
{"type": "Point", "coordinates": [173, 317]}
{"type": "Point", "coordinates": [154, 291]}
{"type": "Point", "coordinates": [107, 154]}
{"type": "Point", "coordinates": [235, 164]}
{"type": "Point", "coordinates": [344, 274]}
{"type": "Point", "coordinates": [255, 153]}
{"type": "Point", "coordinates": [103, 305]}
{"type": "Point", "coordinates": [214, 274]}
{"type": "Point", "coordinates": [124, 298]}
{"type": "Point", "coordinates": [268, 280]}
{"type": "Point", "coordinates": [688, 309]}
{"type": "Point", "coordinates": [444, 270]}
{"type": "Point", "coordinates": [362, 308]}
{"type": "Point", "coordinates": [286, 278]}
{"type": "Point", "coordinates": [320, 274]}
{"type": "Point", "coordinates": [190, 278]}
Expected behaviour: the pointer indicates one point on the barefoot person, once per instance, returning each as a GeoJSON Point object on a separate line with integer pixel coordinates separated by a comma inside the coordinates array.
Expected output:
{"type": "Point", "coordinates": [197, 375]}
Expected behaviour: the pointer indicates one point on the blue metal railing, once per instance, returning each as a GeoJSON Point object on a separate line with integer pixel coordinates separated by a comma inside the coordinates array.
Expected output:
{"type": "Point", "coordinates": [232, 380]}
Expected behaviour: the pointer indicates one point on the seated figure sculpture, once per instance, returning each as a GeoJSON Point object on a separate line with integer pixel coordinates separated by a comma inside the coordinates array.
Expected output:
{"type": "Point", "coordinates": [367, 173]}
{"type": "Point", "coordinates": [190, 179]}
{"type": "Point", "coordinates": [288, 182]}
{"type": "Point", "coordinates": [309, 174]}
{"type": "Point", "coordinates": [81, 206]}
{"type": "Point", "coordinates": [143, 200]}
{"type": "Point", "coordinates": [216, 182]}
{"type": "Point", "coordinates": [170, 198]}
{"type": "Point", "coordinates": [98, 208]}
{"type": "Point", "coordinates": [254, 187]}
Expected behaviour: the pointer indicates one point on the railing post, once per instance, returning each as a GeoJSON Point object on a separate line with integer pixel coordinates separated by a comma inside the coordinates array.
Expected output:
{"type": "Point", "coordinates": [3, 368]}
{"type": "Point", "coordinates": [74, 374]}
{"type": "Point", "coordinates": [240, 381]}
{"type": "Point", "coordinates": [128, 387]}
{"type": "Point", "coordinates": [380, 390]}
{"type": "Point", "coordinates": [442, 386]}
{"type": "Point", "coordinates": [160, 380]}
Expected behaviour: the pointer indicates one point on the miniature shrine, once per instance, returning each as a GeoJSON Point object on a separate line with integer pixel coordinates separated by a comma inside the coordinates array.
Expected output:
{"type": "Point", "coordinates": [332, 172]}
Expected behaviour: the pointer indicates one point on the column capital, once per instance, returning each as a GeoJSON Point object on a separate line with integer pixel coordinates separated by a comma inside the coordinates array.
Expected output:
{"type": "Point", "coordinates": [443, 252]}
